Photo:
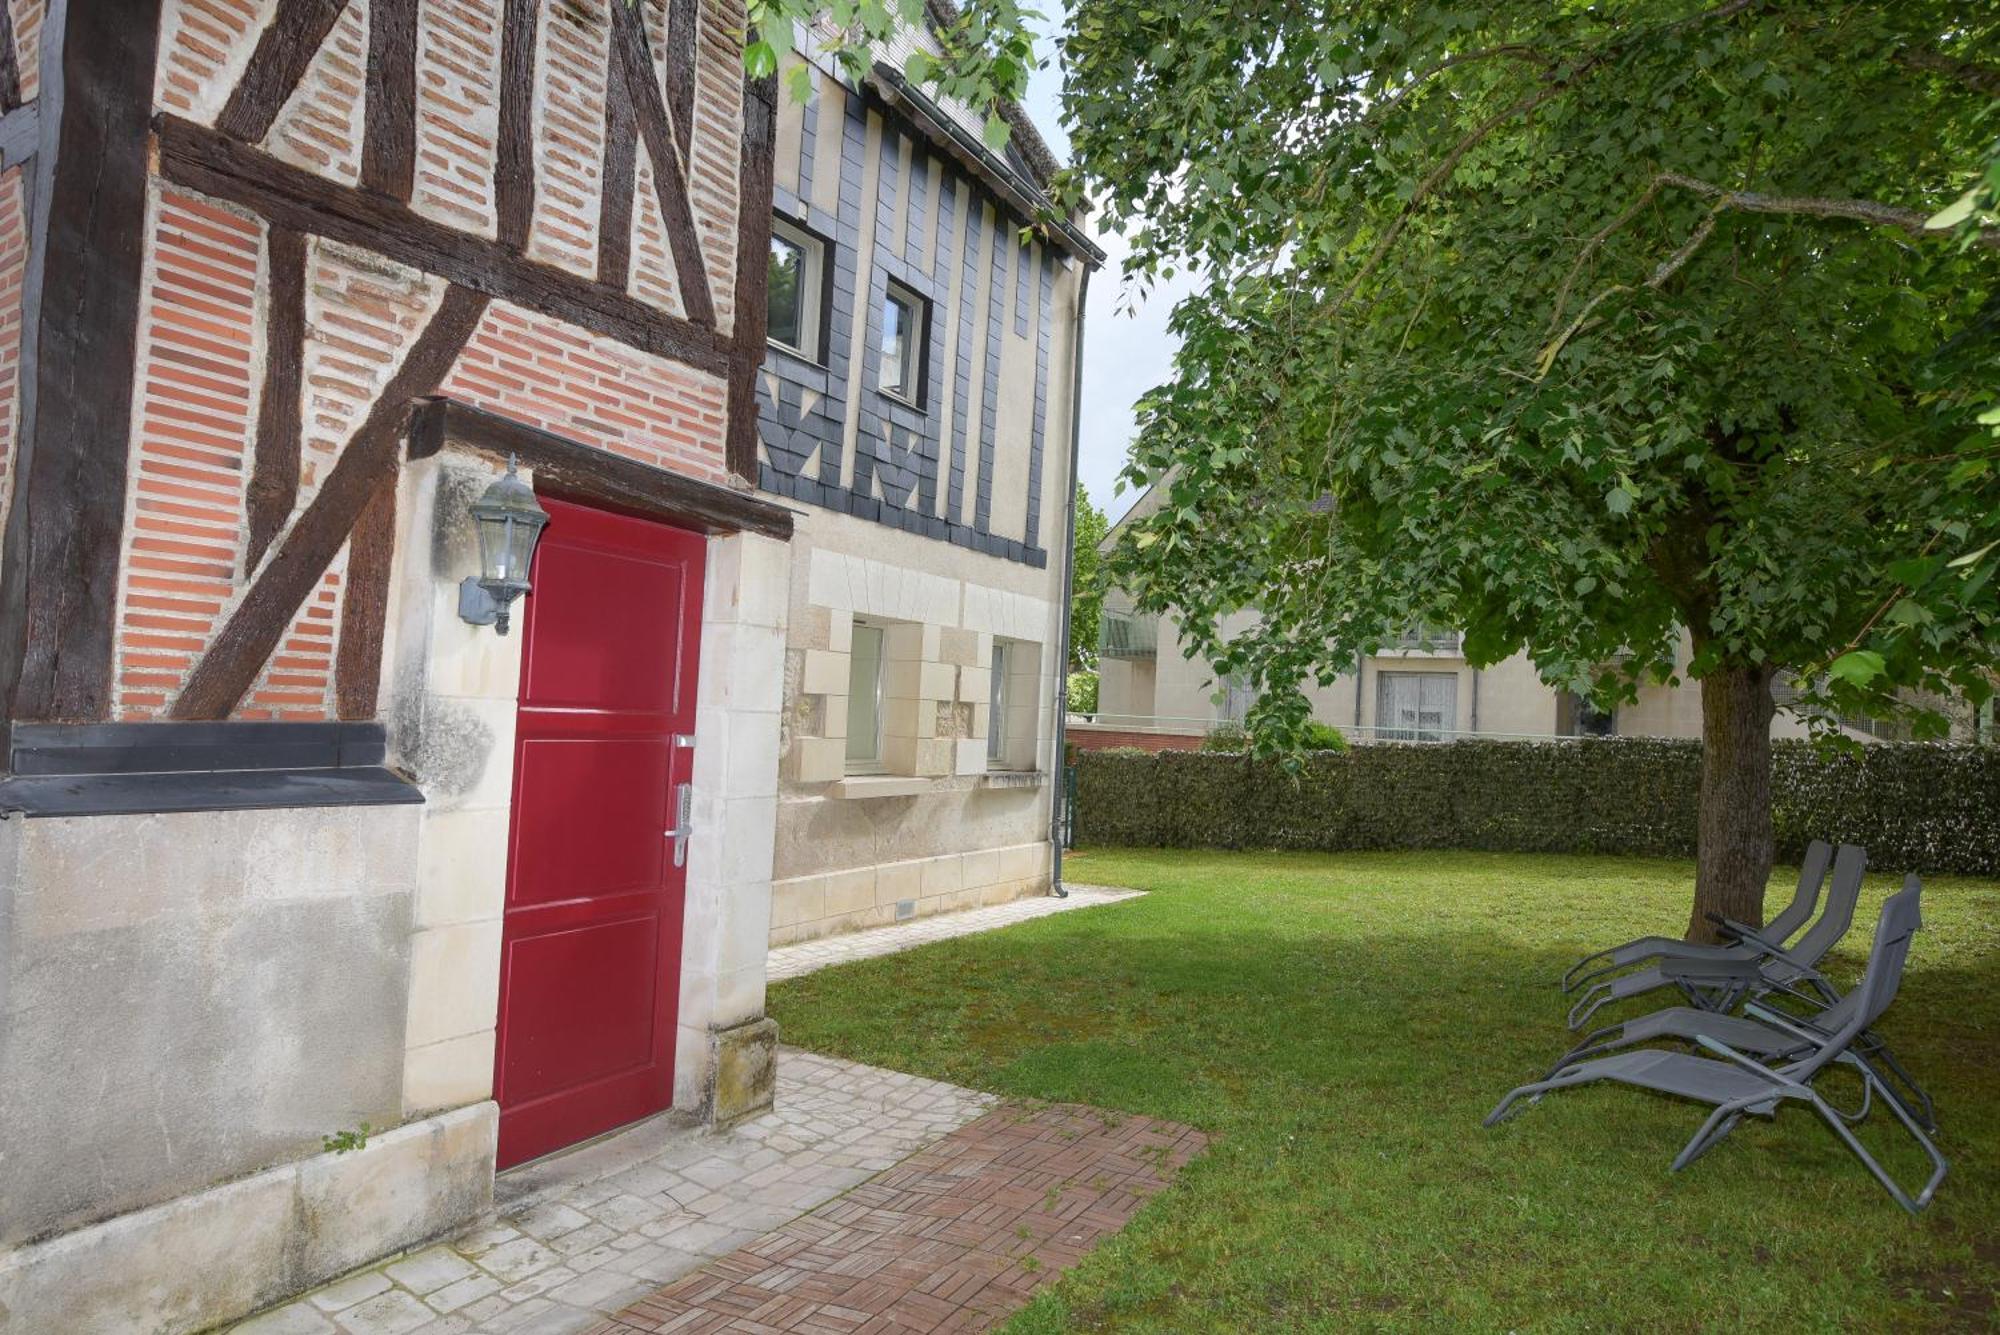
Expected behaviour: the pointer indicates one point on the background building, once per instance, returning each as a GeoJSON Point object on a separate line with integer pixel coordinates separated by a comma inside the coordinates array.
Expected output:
{"type": "Point", "coordinates": [1152, 695]}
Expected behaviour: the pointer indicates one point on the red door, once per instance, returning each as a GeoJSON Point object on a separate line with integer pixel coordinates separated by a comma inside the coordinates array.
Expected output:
{"type": "Point", "coordinates": [591, 944]}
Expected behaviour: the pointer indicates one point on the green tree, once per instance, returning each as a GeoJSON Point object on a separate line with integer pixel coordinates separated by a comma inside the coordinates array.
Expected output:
{"type": "Point", "coordinates": [1086, 601]}
{"type": "Point", "coordinates": [986, 47]}
{"type": "Point", "coordinates": [1570, 325]}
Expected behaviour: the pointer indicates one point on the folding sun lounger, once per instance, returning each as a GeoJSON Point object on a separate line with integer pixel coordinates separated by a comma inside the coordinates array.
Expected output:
{"type": "Point", "coordinates": [1812, 873]}
{"type": "Point", "coordinates": [1737, 1084]}
{"type": "Point", "coordinates": [1719, 978]}
{"type": "Point", "coordinates": [1761, 1038]}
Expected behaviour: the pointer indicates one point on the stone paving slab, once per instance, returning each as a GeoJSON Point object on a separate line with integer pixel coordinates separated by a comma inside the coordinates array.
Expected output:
{"type": "Point", "coordinates": [641, 1209]}
{"type": "Point", "coordinates": [953, 1239]}
{"type": "Point", "coordinates": [807, 956]}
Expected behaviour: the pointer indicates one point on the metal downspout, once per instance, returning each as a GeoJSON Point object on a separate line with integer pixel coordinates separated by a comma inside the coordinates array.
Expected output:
{"type": "Point", "coordinates": [1058, 798]}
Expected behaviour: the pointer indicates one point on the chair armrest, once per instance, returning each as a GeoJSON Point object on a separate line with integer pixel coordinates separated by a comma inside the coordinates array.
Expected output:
{"type": "Point", "coordinates": [1711, 971]}
{"type": "Point", "coordinates": [1721, 1049]}
{"type": "Point", "coordinates": [1786, 1023]}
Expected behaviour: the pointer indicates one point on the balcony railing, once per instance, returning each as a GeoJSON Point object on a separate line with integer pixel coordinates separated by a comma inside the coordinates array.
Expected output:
{"type": "Point", "coordinates": [1428, 638]}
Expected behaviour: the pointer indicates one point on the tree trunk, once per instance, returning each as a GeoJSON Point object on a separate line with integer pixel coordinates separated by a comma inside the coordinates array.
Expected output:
{"type": "Point", "coordinates": [1734, 849]}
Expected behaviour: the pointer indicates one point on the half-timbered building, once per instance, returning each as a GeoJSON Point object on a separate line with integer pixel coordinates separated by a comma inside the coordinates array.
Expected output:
{"type": "Point", "coordinates": [298, 841]}
{"type": "Point", "coordinates": [345, 857]}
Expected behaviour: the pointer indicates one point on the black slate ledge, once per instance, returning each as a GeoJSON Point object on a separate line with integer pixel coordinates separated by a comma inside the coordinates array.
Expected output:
{"type": "Point", "coordinates": [118, 769]}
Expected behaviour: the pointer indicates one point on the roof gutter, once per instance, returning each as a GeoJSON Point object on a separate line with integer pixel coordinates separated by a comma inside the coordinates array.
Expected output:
{"type": "Point", "coordinates": [1025, 196]}
{"type": "Point", "coordinates": [1059, 799]}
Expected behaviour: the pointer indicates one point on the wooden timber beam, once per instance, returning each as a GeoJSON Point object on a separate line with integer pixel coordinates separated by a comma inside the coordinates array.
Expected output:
{"type": "Point", "coordinates": [753, 269]}
{"type": "Point", "coordinates": [284, 52]}
{"type": "Point", "coordinates": [366, 463]}
{"type": "Point", "coordinates": [275, 455]}
{"type": "Point", "coordinates": [572, 468]}
{"type": "Point", "coordinates": [215, 165]}
{"type": "Point", "coordinates": [633, 62]}
{"type": "Point", "coordinates": [79, 351]}
{"type": "Point", "coordinates": [389, 114]}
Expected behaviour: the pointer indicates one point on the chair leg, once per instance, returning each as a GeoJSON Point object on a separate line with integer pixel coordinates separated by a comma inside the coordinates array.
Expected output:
{"type": "Point", "coordinates": [1903, 1198]}
{"type": "Point", "coordinates": [1719, 1124]}
{"type": "Point", "coordinates": [1905, 1088]}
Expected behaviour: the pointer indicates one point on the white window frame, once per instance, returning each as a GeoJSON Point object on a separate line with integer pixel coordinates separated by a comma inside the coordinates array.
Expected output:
{"type": "Point", "coordinates": [869, 760]}
{"type": "Point", "coordinates": [911, 368]}
{"type": "Point", "coordinates": [812, 271]}
{"type": "Point", "coordinates": [1389, 728]}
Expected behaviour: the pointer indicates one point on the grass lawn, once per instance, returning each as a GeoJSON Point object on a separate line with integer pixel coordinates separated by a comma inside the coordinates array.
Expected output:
{"type": "Point", "coordinates": [1344, 1021]}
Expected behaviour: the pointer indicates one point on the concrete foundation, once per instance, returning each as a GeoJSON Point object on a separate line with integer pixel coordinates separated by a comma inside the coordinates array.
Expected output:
{"type": "Point", "coordinates": [210, 1256]}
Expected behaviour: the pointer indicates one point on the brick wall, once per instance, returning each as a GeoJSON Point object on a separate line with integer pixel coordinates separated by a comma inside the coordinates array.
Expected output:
{"type": "Point", "coordinates": [1087, 737]}
{"type": "Point", "coordinates": [202, 345]}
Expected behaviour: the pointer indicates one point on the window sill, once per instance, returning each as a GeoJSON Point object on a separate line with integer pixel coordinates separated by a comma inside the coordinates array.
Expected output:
{"type": "Point", "coordinates": [1014, 778]}
{"type": "Point", "coordinates": [880, 785]}
{"type": "Point", "coordinates": [791, 353]}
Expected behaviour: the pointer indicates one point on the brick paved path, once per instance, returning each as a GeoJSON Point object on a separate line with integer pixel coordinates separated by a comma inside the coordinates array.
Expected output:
{"type": "Point", "coordinates": [952, 1239]}
{"type": "Point", "coordinates": [581, 1236]}
{"type": "Point", "coordinates": [791, 961]}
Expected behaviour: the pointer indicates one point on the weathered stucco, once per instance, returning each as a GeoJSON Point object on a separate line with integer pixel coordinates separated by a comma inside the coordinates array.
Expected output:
{"type": "Point", "coordinates": [191, 997]}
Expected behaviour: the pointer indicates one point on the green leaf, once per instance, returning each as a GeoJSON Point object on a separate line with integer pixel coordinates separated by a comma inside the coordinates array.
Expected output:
{"type": "Point", "coordinates": [1858, 667]}
{"type": "Point", "coordinates": [760, 60]}
{"type": "Point", "coordinates": [996, 133]}
{"type": "Point", "coordinates": [1618, 500]}
{"type": "Point", "coordinates": [1954, 213]}
{"type": "Point", "coordinates": [1971, 558]}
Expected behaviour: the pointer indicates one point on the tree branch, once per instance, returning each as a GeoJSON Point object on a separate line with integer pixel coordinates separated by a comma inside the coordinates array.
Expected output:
{"type": "Point", "coordinates": [1590, 248]}
{"type": "Point", "coordinates": [1814, 206]}
{"type": "Point", "coordinates": [1664, 270]}
{"type": "Point", "coordinates": [1984, 79]}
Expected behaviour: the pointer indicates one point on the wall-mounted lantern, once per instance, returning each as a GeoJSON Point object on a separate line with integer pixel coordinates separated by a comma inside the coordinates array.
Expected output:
{"type": "Point", "coordinates": [510, 522]}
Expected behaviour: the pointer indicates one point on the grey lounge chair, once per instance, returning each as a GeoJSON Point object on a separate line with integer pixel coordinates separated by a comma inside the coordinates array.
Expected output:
{"type": "Point", "coordinates": [1718, 982]}
{"type": "Point", "coordinates": [1761, 1038]}
{"type": "Point", "coordinates": [1736, 1084]}
{"type": "Point", "coordinates": [1812, 874]}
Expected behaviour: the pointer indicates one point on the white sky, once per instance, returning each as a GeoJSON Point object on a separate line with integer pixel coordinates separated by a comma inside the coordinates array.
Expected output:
{"type": "Point", "coordinates": [1126, 349]}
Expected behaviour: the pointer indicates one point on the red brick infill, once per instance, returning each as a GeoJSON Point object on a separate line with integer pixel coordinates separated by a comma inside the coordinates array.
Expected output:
{"type": "Point", "coordinates": [952, 1239]}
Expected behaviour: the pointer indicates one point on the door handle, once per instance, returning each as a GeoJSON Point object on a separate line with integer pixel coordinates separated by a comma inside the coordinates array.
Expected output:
{"type": "Point", "coordinates": [683, 822]}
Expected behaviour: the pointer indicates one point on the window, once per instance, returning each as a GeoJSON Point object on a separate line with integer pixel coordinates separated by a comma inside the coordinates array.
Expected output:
{"type": "Point", "coordinates": [864, 700]}
{"type": "Point", "coordinates": [1587, 720]}
{"type": "Point", "coordinates": [902, 366]}
{"type": "Point", "coordinates": [792, 292]}
{"type": "Point", "coordinates": [1415, 706]}
{"type": "Point", "coordinates": [996, 707]}
{"type": "Point", "coordinates": [1235, 698]}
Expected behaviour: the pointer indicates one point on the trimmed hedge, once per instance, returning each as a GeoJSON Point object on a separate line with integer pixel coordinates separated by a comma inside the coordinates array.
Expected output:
{"type": "Point", "coordinates": [1916, 806]}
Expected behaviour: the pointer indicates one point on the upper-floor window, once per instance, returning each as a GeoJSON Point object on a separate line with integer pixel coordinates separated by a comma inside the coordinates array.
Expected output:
{"type": "Point", "coordinates": [902, 351]}
{"type": "Point", "coordinates": [792, 293]}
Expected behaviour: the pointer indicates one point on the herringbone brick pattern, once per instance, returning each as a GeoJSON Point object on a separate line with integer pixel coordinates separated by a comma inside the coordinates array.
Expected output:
{"type": "Point", "coordinates": [952, 1239]}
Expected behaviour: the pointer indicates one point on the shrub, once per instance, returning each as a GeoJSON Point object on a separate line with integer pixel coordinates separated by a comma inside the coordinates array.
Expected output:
{"type": "Point", "coordinates": [1082, 692]}
{"type": "Point", "coordinates": [1324, 737]}
{"type": "Point", "coordinates": [1917, 806]}
{"type": "Point", "coordinates": [1227, 739]}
